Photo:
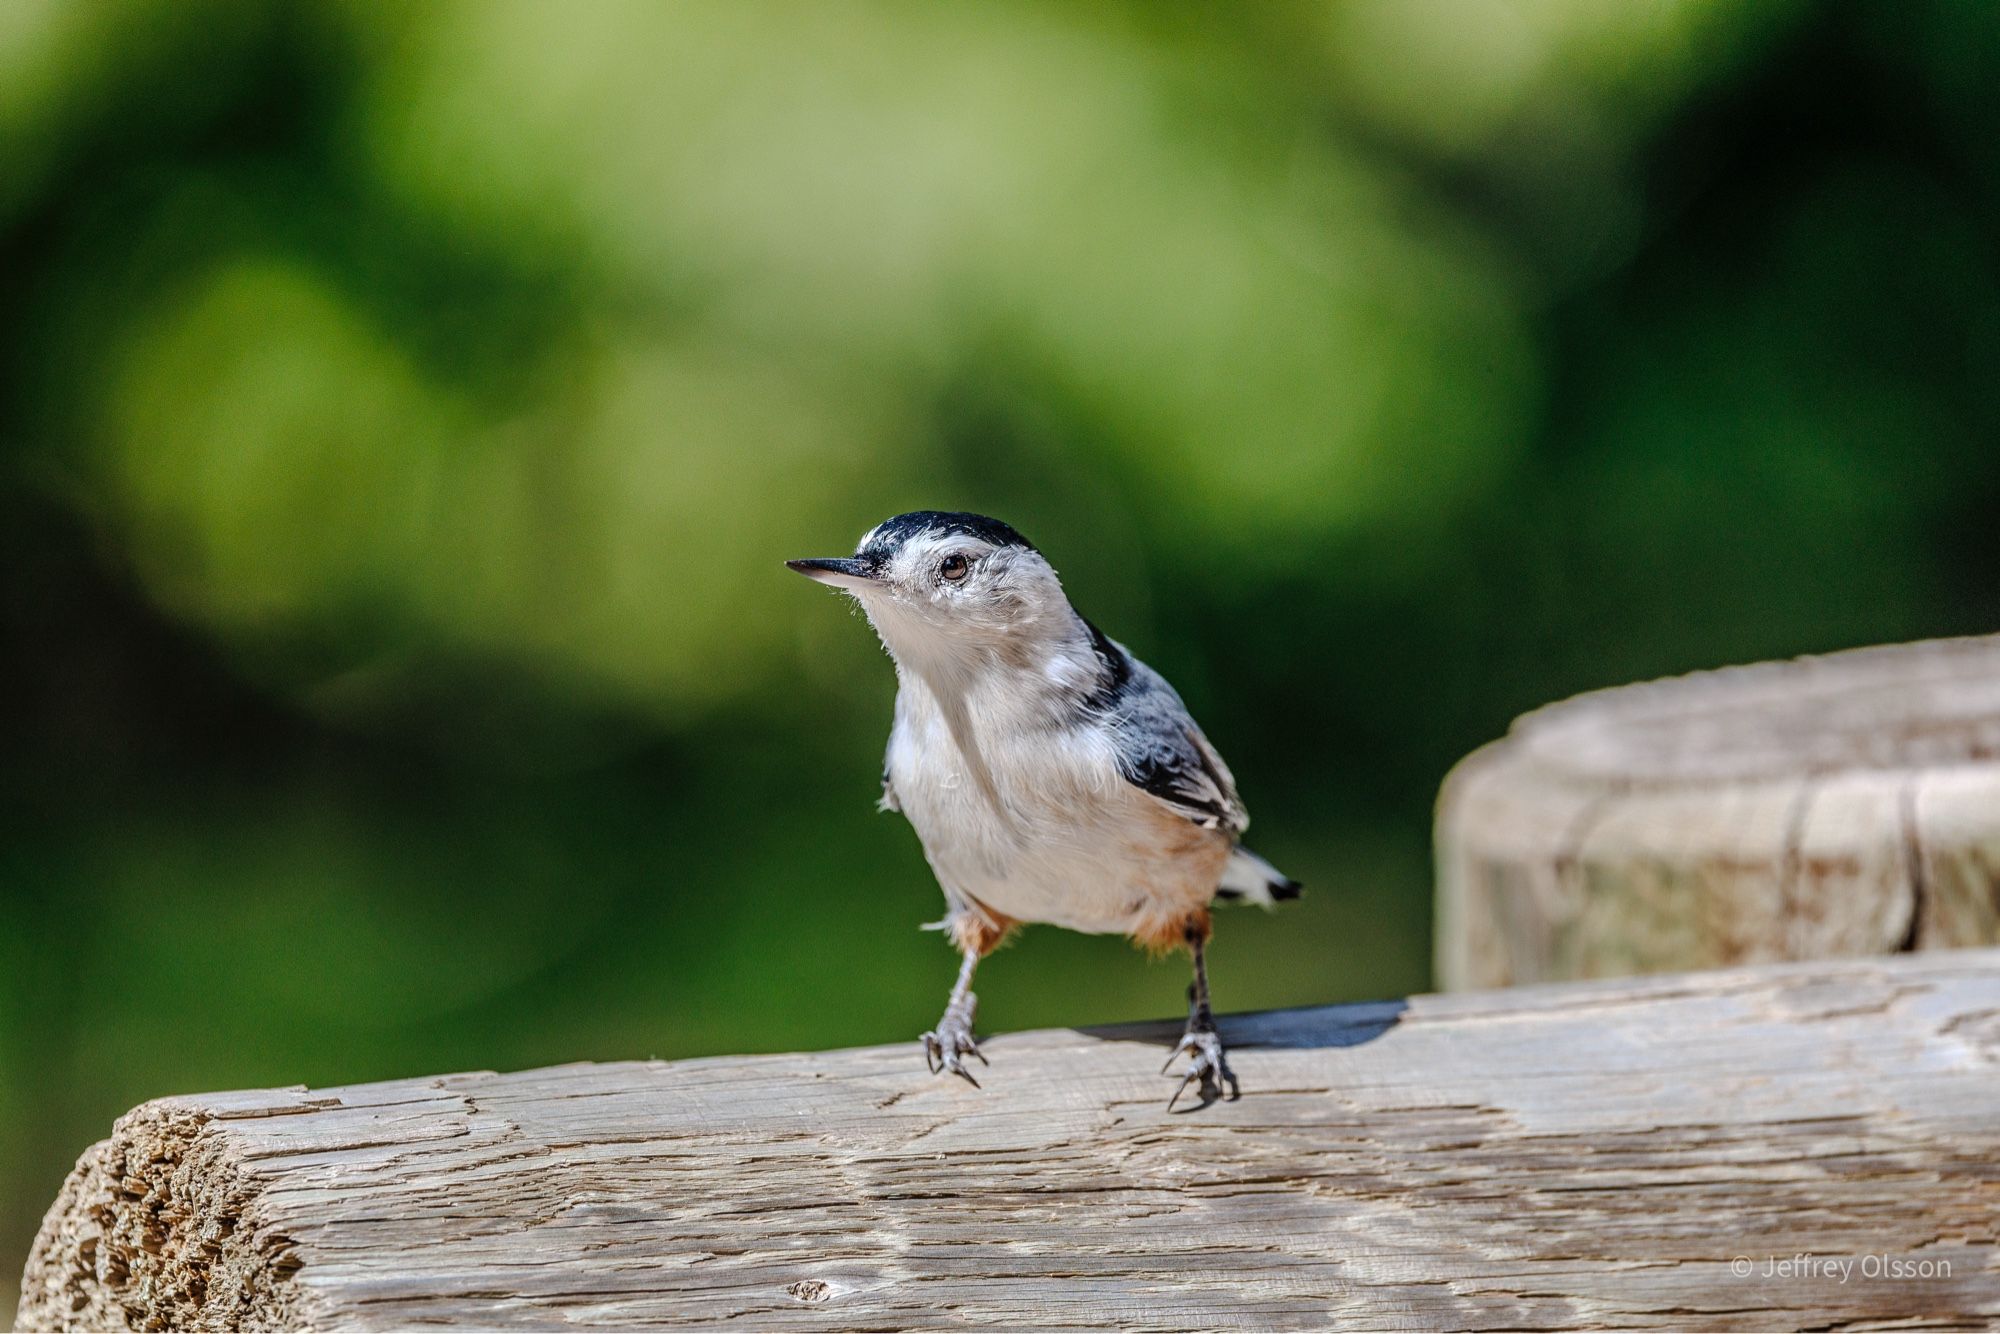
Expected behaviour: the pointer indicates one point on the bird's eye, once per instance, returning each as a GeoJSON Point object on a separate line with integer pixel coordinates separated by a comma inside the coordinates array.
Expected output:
{"type": "Point", "coordinates": [954, 568]}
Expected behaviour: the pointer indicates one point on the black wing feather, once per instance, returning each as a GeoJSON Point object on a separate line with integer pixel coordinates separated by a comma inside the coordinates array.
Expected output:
{"type": "Point", "coordinates": [1179, 776]}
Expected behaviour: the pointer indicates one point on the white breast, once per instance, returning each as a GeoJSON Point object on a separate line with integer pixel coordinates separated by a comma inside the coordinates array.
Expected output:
{"type": "Point", "coordinates": [1031, 818]}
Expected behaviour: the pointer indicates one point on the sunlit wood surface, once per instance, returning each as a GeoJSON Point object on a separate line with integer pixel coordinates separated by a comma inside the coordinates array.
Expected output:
{"type": "Point", "coordinates": [1597, 1154]}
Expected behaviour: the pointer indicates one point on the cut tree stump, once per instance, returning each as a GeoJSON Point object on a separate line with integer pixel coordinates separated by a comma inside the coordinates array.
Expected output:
{"type": "Point", "coordinates": [1788, 1146]}
{"type": "Point", "coordinates": [1824, 808]}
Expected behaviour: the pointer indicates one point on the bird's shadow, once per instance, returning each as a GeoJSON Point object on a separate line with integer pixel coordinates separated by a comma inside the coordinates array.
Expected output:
{"type": "Point", "coordinates": [1318, 1026]}
{"type": "Point", "coordinates": [1300, 1029]}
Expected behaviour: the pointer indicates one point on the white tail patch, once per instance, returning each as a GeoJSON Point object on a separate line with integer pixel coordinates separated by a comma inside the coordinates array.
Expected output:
{"type": "Point", "coordinates": [1249, 877]}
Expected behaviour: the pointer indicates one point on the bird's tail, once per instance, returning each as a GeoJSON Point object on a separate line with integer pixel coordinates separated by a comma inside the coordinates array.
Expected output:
{"type": "Point", "coordinates": [1249, 877]}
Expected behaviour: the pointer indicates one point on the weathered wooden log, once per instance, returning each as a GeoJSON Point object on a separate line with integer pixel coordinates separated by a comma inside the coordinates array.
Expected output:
{"type": "Point", "coordinates": [1659, 1152]}
{"type": "Point", "coordinates": [1824, 808]}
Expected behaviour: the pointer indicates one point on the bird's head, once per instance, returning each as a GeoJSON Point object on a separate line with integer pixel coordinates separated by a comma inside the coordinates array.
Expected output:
{"type": "Point", "coordinates": [941, 585]}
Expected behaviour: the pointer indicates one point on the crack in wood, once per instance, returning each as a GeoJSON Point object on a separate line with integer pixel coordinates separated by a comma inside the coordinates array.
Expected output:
{"type": "Point", "coordinates": [1913, 861]}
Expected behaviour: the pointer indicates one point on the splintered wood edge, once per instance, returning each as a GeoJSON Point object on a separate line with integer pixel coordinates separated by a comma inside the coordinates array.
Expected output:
{"type": "Point", "coordinates": [149, 1232]}
{"type": "Point", "coordinates": [187, 1216]}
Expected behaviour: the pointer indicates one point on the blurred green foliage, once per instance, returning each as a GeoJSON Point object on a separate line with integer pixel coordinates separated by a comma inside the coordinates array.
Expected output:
{"type": "Point", "coordinates": [406, 409]}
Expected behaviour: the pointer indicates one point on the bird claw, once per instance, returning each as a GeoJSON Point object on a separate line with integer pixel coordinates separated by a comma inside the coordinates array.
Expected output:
{"type": "Point", "coordinates": [947, 1046]}
{"type": "Point", "coordinates": [1206, 1063]}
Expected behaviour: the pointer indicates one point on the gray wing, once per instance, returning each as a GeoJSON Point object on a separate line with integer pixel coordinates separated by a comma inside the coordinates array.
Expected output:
{"type": "Point", "coordinates": [1159, 748]}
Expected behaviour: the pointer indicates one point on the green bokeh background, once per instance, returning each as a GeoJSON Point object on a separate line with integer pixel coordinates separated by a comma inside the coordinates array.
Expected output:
{"type": "Point", "coordinates": [404, 411]}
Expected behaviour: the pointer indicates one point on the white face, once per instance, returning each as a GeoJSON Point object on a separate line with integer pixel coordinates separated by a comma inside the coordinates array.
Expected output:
{"type": "Point", "coordinates": [939, 591]}
{"type": "Point", "coordinates": [959, 586]}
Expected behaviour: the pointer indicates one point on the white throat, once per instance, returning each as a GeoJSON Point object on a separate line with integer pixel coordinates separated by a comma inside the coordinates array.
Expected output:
{"type": "Point", "coordinates": [986, 688]}
{"type": "Point", "coordinates": [1038, 666]}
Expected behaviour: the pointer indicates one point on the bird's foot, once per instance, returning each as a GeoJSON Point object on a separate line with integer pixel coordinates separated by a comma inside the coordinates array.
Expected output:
{"type": "Point", "coordinates": [1202, 1045]}
{"type": "Point", "coordinates": [947, 1045]}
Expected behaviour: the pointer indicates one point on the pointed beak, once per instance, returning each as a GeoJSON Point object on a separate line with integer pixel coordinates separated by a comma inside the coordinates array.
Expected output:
{"type": "Point", "coordinates": [839, 571]}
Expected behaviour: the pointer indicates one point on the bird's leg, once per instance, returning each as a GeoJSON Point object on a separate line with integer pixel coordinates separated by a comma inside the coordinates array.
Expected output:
{"type": "Point", "coordinates": [1201, 1044]}
{"type": "Point", "coordinates": [947, 1045]}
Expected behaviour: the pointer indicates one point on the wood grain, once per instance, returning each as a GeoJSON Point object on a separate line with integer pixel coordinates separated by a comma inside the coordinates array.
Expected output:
{"type": "Point", "coordinates": [1589, 1155]}
{"type": "Point", "coordinates": [1828, 807]}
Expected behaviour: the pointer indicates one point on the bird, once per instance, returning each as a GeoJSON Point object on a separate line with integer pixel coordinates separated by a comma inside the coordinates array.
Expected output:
{"type": "Point", "coordinates": [1050, 775]}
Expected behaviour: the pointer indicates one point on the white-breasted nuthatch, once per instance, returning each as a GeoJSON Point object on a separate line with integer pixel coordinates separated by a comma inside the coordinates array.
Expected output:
{"type": "Point", "coordinates": [1051, 776]}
